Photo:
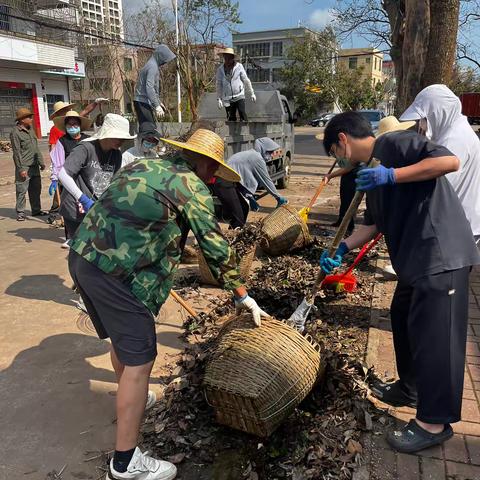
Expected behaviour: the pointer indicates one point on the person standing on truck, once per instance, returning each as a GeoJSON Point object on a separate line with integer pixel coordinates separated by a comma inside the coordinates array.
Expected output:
{"type": "Point", "coordinates": [147, 101]}
{"type": "Point", "coordinates": [232, 81]}
{"type": "Point", "coordinates": [438, 113]}
{"type": "Point", "coordinates": [239, 198]}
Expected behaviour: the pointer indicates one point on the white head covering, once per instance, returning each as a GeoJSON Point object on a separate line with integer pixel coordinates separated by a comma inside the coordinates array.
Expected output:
{"type": "Point", "coordinates": [114, 126]}
{"type": "Point", "coordinates": [449, 128]}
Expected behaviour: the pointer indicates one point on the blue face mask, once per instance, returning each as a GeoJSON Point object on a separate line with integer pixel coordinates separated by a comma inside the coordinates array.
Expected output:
{"type": "Point", "coordinates": [73, 131]}
{"type": "Point", "coordinates": [149, 145]}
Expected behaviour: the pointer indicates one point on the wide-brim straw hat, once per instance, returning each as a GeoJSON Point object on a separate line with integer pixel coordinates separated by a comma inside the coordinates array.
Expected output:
{"type": "Point", "coordinates": [58, 106]}
{"type": "Point", "coordinates": [59, 122]}
{"type": "Point", "coordinates": [392, 124]}
{"type": "Point", "coordinates": [22, 113]}
{"type": "Point", "coordinates": [227, 51]}
{"type": "Point", "coordinates": [114, 126]}
{"type": "Point", "coordinates": [210, 145]}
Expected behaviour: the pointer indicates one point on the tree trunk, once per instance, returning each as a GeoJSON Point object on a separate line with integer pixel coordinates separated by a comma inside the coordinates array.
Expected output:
{"type": "Point", "coordinates": [442, 43]}
{"type": "Point", "coordinates": [414, 50]}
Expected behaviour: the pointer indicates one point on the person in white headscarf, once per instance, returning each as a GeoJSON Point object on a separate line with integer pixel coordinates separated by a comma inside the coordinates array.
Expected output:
{"type": "Point", "coordinates": [438, 112]}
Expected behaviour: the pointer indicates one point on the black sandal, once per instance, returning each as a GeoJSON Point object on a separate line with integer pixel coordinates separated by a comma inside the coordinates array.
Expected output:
{"type": "Point", "coordinates": [413, 438]}
{"type": "Point", "coordinates": [393, 394]}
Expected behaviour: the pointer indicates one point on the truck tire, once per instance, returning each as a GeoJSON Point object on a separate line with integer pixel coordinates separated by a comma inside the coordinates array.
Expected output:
{"type": "Point", "coordinates": [285, 180]}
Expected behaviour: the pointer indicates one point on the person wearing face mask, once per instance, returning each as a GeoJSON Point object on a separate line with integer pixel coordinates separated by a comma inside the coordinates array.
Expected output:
{"type": "Point", "coordinates": [232, 81]}
{"type": "Point", "coordinates": [438, 112]}
{"type": "Point", "coordinates": [432, 249]}
{"type": "Point", "coordinates": [145, 146]}
{"type": "Point", "coordinates": [124, 258]}
{"type": "Point", "coordinates": [71, 125]}
{"type": "Point", "coordinates": [239, 198]}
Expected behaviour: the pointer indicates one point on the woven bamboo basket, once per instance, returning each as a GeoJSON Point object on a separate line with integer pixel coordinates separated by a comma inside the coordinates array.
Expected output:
{"type": "Point", "coordinates": [258, 376]}
{"type": "Point", "coordinates": [245, 266]}
{"type": "Point", "coordinates": [283, 231]}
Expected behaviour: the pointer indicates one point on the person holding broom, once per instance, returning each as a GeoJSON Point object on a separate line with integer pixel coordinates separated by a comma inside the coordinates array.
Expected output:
{"type": "Point", "coordinates": [123, 259]}
{"type": "Point", "coordinates": [432, 249]}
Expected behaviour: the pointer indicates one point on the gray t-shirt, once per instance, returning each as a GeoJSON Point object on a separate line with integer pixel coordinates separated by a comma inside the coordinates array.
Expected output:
{"type": "Point", "coordinates": [92, 169]}
{"type": "Point", "coordinates": [424, 224]}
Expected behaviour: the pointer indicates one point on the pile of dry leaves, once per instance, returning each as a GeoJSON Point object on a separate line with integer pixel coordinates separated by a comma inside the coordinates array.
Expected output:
{"type": "Point", "coordinates": [321, 440]}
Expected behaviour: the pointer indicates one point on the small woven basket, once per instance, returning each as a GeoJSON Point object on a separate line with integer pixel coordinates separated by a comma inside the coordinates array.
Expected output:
{"type": "Point", "coordinates": [258, 376]}
{"type": "Point", "coordinates": [245, 266]}
{"type": "Point", "coordinates": [283, 231]}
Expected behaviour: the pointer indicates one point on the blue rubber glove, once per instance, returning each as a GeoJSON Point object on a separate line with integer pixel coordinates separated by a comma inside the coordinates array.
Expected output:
{"type": "Point", "coordinates": [281, 201]}
{"type": "Point", "coordinates": [53, 187]}
{"type": "Point", "coordinates": [87, 202]}
{"type": "Point", "coordinates": [370, 178]}
{"type": "Point", "coordinates": [329, 264]}
{"type": "Point", "coordinates": [254, 206]}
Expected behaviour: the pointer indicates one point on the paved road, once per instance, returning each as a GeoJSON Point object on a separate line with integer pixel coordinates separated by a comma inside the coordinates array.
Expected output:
{"type": "Point", "coordinates": [306, 143]}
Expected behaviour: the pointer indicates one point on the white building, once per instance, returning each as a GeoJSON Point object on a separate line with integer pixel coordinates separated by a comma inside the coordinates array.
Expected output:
{"type": "Point", "coordinates": [104, 18]}
{"type": "Point", "coordinates": [37, 59]}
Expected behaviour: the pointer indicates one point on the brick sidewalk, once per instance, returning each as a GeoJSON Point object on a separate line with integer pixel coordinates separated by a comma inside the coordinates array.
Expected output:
{"type": "Point", "coordinates": [459, 458]}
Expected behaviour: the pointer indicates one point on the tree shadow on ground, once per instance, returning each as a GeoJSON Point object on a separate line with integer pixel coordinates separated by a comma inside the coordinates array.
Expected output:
{"type": "Point", "coordinates": [49, 288]}
{"type": "Point", "coordinates": [40, 233]}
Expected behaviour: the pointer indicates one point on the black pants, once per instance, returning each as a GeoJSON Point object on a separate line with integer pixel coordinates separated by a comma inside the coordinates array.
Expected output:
{"type": "Point", "coordinates": [234, 205]}
{"type": "Point", "coordinates": [144, 113]}
{"type": "Point", "coordinates": [429, 324]}
{"type": "Point", "coordinates": [347, 192]}
{"type": "Point", "coordinates": [33, 185]}
{"type": "Point", "coordinates": [71, 227]}
{"type": "Point", "coordinates": [232, 111]}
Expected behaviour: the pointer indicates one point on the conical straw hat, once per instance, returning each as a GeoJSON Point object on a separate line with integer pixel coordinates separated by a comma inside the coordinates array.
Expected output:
{"type": "Point", "coordinates": [59, 122]}
{"type": "Point", "coordinates": [57, 106]}
{"type": "Point", "coordinates": [210, 145]}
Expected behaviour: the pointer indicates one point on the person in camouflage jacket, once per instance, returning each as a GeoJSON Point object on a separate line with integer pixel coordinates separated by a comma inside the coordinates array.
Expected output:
{"type": "Point", "coordinates": [123, 259]}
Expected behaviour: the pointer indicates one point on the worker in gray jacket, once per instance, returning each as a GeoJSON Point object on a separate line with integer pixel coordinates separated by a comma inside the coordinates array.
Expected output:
{"type": "Point", "coordinates": [147, 101]}
{"type": "Point", "coordinates": [232, 81]}
{"type": "Point", "coordinates": [239, 198]}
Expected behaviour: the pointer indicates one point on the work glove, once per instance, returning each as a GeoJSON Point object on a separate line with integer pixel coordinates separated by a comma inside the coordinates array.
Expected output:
{"type": "Point", "coordinates": [220, 103]}
{"type": "Point", "coordinates": [281, 201]}
{"type": "Point", "coordinates": [159, 111]}
{"type": "Point", "coordinates": [249, 304]}
{"type": "Point", "coordinates": [329, 264]}
{"type": "Point", "coordinates": [101, 100]}
{"type": "Point", "coordinates": [370, 178]}
{"type": "Point", "coordinates": [254, 98]}
{"type": "Point", "coordinates": [53, 187]}
{"type": "Point", "coordinates": [254, 206]}
{"type": "Point", "coordinates": [86, 202]}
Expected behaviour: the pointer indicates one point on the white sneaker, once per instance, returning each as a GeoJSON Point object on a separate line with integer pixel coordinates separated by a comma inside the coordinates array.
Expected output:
{"type": "Point", "coordinates": [389, 269]}
{"type": "Point", "coordinates": [65, 245]}
{"type": "Point", "coordinates": [143, 467]}
{"type": "Point", "coordinates": [151, 400]}
{"type": "Point", "coordinates": [80, 305]}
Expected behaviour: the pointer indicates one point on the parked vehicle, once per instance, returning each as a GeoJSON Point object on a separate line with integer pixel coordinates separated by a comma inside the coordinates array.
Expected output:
{"type": "Point", "coordinates": [322, 120]}
{"type": "Point", "coordinates": [373, 116]}
{"type": "Point", "coordinates": [471, 106]}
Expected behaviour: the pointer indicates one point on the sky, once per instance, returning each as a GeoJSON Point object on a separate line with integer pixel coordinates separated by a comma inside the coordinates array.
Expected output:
{"type": "Point", "coordinates": [271, 14]}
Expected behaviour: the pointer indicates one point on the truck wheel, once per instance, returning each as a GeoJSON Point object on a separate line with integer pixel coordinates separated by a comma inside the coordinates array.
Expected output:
{"type": "Point", "coordinates": [285, 180]}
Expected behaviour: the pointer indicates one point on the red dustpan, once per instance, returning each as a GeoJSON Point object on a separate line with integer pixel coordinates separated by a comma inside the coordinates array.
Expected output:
{"type": "Point", "coordinates": [346, 282]}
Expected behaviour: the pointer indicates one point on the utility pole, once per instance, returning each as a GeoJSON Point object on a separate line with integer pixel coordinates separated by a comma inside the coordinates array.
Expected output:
{"type": "Point", "coordinates": [179, 89]}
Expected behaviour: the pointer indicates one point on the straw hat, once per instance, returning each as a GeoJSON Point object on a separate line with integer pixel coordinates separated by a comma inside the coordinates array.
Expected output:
{"type": "Point", "coordinates": [391, 124]}
{"type": "Point", "coordinates": [210, 145]}
{"type": "Point", "coordinates": [114, 126]}
{"type": "Point", "coordinates": [59, 122]}
{"type": "Point", "coordinates": [227, 51]}
{"type": "Point", "coordinates": [57, 106]}
{"type": "Point", "coordinates": [22, 113]}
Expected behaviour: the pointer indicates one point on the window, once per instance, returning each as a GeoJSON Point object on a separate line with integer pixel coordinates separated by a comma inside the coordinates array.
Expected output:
{"type": "Point", "coordinates": [4, 17]}
{"type": "Point", "coordinates": [99, 84]}
{"type": "Point", "coordinates": [51, 99]}
{"type": "Point", "coordinates": [375, 63]}
{"type": "Point", "coordinates": [352, 63]}
{"type": "Point", "coordinates": [277, 49]}
{"type": "Point", "coordinates": [276, 75]}
{"type": "Point", "coordinates": [368, 60]}
{"type": "Point", "coordinates": [259, 75]}
{"type": "Point", "coordinates": [256, 50]}
{"type": "Point", "coordinates": [77, 85]}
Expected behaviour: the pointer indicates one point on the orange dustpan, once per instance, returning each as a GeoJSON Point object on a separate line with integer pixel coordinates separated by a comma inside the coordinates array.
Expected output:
{"type": "Point", "coordinates": [346, 282]}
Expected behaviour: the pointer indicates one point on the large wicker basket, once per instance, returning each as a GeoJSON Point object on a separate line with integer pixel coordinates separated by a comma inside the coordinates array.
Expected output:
{"type": "Point", "coordinates": [283, 231]}
{"type": "Point", "coordinates": [245, 266]}
{"type": "Point", "coordinates": [258, 376]}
